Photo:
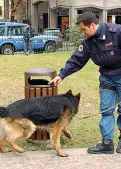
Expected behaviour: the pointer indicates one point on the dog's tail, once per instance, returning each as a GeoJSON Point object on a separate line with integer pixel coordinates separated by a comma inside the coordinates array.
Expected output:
{"type": "Point", "coordinates": [3, 112]}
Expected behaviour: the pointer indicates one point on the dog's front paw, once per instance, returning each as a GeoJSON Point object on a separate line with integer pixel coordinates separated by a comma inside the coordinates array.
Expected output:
{"type": "Point", "coordinates": [63, 155]}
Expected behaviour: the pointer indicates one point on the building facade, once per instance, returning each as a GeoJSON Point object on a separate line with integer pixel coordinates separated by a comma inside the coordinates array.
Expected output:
{"type": "Point", "coordinates": [54, 13]}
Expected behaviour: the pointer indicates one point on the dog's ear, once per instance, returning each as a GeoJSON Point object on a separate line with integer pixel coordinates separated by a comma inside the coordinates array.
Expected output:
{"type": "Point", "coordinates": [69, 92]}
{"type": "Point", "coordinates": [78, 96]}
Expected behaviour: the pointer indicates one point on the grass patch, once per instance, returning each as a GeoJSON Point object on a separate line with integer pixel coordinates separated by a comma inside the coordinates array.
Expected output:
{"type": "Point", "coordinates": [85, 132]}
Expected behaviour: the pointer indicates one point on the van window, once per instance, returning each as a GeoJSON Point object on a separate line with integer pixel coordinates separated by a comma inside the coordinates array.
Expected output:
{"type": "Point", "coordinates": [2, 30]}
{"type": "Point", "coordinates": [15, 30]}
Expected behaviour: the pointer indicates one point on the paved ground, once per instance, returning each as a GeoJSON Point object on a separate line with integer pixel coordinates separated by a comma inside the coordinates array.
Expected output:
{"type": "Point", "coordinates": [77, 159]}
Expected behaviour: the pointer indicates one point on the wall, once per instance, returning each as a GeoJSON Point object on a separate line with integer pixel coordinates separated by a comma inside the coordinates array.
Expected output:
{"type": "Point", "coordinates": [73, 5]}
{"type": "Point", "coordinates": [86, 3]}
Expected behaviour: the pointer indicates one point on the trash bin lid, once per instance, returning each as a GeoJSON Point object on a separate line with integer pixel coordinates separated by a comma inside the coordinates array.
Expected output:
{"type": "Point", "coordinates": [40, 72]}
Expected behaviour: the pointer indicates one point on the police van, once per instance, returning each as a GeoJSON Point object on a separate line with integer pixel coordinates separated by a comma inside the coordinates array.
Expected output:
{"type": "Point", "coordinates": [12, 39]}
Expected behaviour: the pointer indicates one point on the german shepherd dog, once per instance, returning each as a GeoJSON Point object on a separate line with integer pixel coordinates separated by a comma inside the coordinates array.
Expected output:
{"type": "Point", "coordinates": [20, 119]}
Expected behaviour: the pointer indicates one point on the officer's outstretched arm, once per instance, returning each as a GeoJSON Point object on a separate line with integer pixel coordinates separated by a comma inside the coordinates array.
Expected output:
{"type": "Point", "coordinates": [76, 62]}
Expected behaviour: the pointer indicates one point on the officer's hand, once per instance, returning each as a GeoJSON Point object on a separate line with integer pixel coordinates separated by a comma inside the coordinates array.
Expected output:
{"type": "Point", "coordinates": [55, 81]}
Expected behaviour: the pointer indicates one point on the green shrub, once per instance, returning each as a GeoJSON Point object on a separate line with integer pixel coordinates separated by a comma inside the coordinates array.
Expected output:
{"type": "Point", "coordinates": [73, 35]}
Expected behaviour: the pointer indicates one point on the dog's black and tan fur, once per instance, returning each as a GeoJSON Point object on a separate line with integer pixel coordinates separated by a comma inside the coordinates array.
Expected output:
{"type": "Point", "coordinates": [54, 113]}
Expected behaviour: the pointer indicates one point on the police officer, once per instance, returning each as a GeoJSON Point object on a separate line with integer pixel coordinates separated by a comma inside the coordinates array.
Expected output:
{"type": "Point", "coordinates": [28, 34]}
{"type": "Point", "coordinates": [103, 46]}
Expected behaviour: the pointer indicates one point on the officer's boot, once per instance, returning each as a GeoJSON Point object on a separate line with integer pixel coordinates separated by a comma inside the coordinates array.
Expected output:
{"type": "Point", "coordinates": [118, 149]}
{"type": "Point", "coordinates": [106, 147]}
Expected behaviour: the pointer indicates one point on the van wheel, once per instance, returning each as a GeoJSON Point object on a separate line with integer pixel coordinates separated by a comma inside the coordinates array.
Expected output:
{"type": "Point", "coordinates": [7, 50]}
{"type": "Point", "coordinates": [50, 47]}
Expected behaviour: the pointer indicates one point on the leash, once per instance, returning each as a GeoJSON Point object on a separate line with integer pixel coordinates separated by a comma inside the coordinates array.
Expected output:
{"type": "Point", "coordinates": [81, 117]}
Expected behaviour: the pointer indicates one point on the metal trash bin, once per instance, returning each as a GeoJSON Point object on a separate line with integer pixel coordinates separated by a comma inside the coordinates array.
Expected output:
{"type": "Point", "coordinates": [36, 88]}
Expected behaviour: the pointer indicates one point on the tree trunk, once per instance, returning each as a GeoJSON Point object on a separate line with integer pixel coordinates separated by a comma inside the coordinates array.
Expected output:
{"type": "Point", "coordinates": [14, 8]}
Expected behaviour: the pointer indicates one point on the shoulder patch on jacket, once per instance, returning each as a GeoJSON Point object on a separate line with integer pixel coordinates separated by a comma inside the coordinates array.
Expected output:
{"type": "Point", "coordinates": [80, 48]}
{"type": "Point", "coordinates": [112, 29]}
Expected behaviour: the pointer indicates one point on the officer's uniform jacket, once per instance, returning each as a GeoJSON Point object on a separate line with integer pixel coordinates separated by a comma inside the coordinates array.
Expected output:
{"type": "Point", "coordinates": [104, 50]}
{"type": "Point", "coordinates": [28, 34]}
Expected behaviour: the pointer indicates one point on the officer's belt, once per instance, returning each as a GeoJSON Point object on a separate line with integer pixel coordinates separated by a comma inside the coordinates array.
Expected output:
{"type": "Point", "coordinates": [107, 86]}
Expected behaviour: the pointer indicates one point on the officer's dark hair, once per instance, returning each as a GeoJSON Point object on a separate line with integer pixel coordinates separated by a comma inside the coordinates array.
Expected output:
{"type": "Point", "coordinates": [28, 23]}
{"type": "Point", "coordinates": [87, 18]}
